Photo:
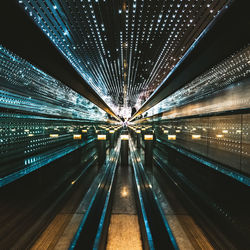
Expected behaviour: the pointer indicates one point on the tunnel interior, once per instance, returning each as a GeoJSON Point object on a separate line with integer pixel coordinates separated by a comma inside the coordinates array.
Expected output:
{"type": "Point", "coordinates": [124, 124]}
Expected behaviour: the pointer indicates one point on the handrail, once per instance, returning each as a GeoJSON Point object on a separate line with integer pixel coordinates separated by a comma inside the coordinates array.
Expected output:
{"type": "Point", "coordinates": [156, 227]}
{"type": "Point", "coordinates": [209, 163]}
{"type": "Point", "coordinates": [89, 234]}
{"type": "Point", "coordinates": [33, 163]}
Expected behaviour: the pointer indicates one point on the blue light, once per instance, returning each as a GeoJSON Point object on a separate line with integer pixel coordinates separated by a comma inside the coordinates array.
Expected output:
{"type": "Point", "coordinates": [27, 88]}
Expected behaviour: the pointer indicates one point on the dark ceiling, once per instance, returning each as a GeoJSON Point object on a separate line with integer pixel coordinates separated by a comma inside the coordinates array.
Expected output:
{"type": "Point", "coordinates": [123, 49]}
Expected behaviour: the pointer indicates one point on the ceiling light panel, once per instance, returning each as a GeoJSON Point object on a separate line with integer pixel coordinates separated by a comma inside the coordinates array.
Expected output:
{"type": "Point", "coordinates": [124, 49]}
{"type": "Point", "coordinates": [25, 87]}
{"type": "Point", "coordinates": [229, 72]}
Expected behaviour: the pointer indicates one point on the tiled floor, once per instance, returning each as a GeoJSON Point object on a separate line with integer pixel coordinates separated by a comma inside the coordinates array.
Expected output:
{"type": "Point", "coordinates": [124, 231]}
{"type": "Point", "coordinates": [186, 231]}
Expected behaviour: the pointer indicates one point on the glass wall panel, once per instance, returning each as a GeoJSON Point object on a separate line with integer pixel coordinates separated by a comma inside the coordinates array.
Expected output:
{"type": "Point", "coordinates": [245, 163]}
{"type": "Point", "coordinates": [224, 140]}
{"type": "Point", "coordinates": [39, 117]}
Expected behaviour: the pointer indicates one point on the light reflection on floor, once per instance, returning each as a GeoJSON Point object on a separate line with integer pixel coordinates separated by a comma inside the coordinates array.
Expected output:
{"type": "Point", "coordinates": [124, 231]}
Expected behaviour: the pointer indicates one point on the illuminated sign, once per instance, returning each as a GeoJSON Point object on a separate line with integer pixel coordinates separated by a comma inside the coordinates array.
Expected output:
{"type": "Point", "coordinates": [172, 137]}
{"type": "Point", "coordinates": [148, 137]}
{"type": "Point", "coordinates": [77, 137]}
{"type": "Point", "coordinates": [124, 137]}
{"type": "Point", "coordinates": [101, 137]}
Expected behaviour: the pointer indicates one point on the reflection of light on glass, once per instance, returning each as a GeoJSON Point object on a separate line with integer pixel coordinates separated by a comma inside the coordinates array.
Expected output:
{"type": "Point", "coordinates": [171, 137]}
{"type": "Point", "coordinates": [219, 136]}
{"type": "Point", "coordinates": [65, 101]}
{"type": "Point", "coordinates": [53, 135]}
{"type": "Point", "coordinates": [200, 85]}
{"type": "Point", "coordinates": [77, 137]}
{"type": "Point", "coordinates": [196, 137]}
{"type": "Point", "coordinates": [124, 192]}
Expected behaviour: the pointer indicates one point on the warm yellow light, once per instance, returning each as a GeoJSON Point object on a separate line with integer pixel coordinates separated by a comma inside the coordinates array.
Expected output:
{"type": "Point", "coordinates": [148, 137]}
{"type": "Point", "coordinates": [53, 135]}
{"type": "Point", "coordinates": [219, 136]}
{"type": "Point", "coordinates": [84, 130]}
{"type": "Point", "coordinates": [225, 131]}
{"type": "Point", "coordinates": [77, 137]}
{"type": "Point", "coordinates": [177, 131]}
{"type": "Point", "coordinates": [30, 134]}
{"type": "Point", "coordinates": [101, 137]}
{"type": "Point", "coordinates": [124, 137]}
{"type": "Point", "coordinates": [124, 192]}
{"type": "Point", "coordinates": [238, 131]}
{"type": "Point", "coordinates": [143, 129]}
{"type": "Point", "coordinates": [138, 131]}
{"type": "Point", "coordinates": [165, 131]}
{"type": "Point", "coordinates": [111, 131]}
{"type": "Point", "coordinates": [171, 137]}
{"type": "Point", "coordinates": [196, 137]}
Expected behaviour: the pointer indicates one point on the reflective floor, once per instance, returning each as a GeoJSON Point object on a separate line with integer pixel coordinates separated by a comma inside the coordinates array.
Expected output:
{"type": "Point", "coordinates": [186, 231]}
{"type": "Point", "coordinates": [124, 231]}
